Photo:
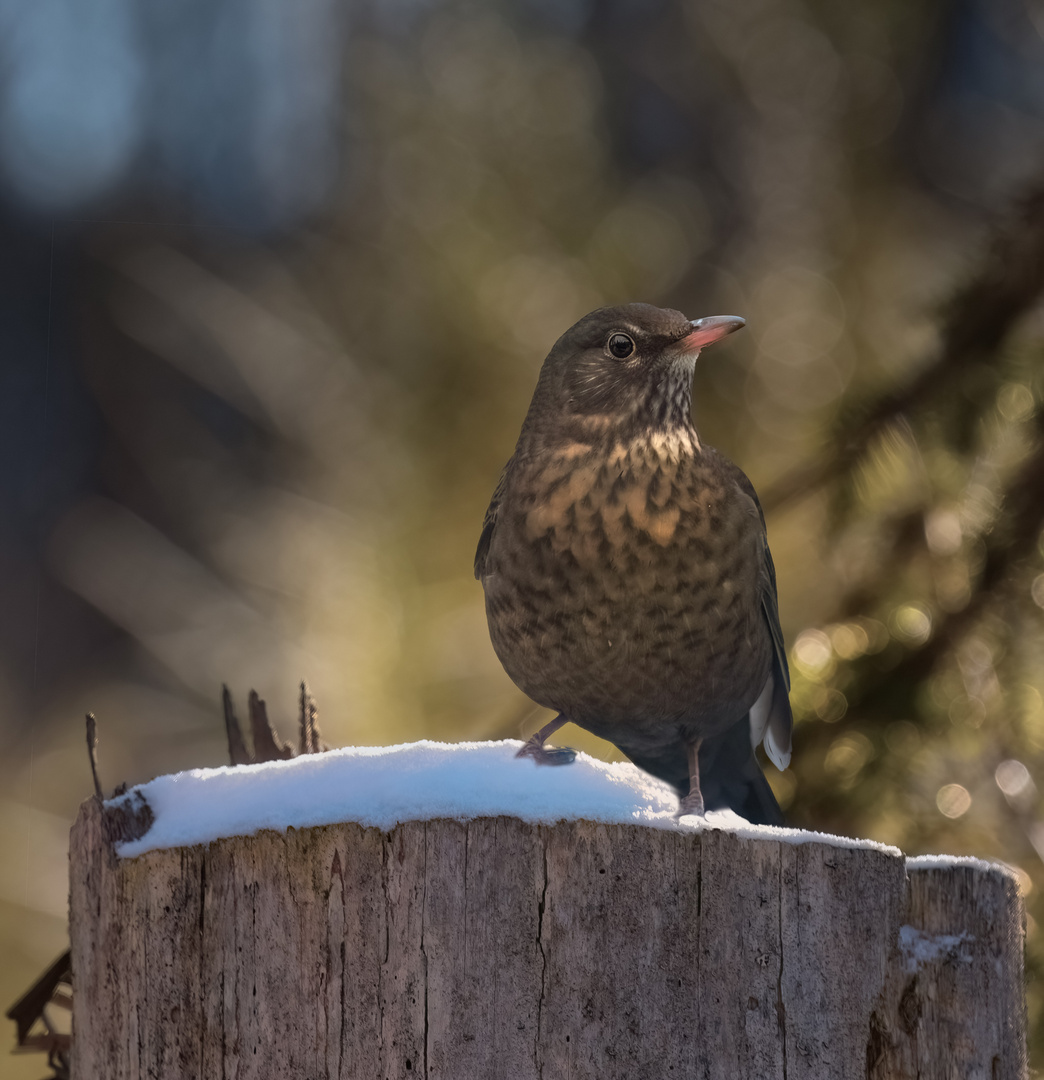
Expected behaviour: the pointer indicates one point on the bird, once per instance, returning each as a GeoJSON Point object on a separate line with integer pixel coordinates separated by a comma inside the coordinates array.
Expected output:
{"type": "Point", "coordinates": [628, 581]}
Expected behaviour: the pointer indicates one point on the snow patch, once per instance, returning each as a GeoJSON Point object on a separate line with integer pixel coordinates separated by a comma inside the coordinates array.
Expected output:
{"type": "Point", "coordinates": [382, 786]}
{"type": "Point", "coordinates": [919, 948]}
{"type": "Point", "coordinates": [729, 821]}
{"type": "Point", "coordinates": [948, 862]}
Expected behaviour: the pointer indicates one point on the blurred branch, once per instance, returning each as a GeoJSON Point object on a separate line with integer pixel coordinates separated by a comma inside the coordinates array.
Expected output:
{"type": "Point", "coordinates": [31, 1011]}
{"type": "Point", "coordinates": [237, 751]}
{"type": "Point", "coordinates": [976, 320]}
{"type": "Point", "coordinates": [907, 538]}
{"type": "Point", "coordinates": [1012, 540]}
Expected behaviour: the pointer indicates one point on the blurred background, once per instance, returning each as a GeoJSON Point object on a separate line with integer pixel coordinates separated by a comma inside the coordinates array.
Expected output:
{"type": "Point", "coordinates": [275, 284]}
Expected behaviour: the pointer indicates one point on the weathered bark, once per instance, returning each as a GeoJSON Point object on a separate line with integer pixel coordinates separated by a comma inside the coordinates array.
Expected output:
{"type": "Point", "coordinates": [495, 948]}
{"type": "Point", "coordinates": [953, 1003]}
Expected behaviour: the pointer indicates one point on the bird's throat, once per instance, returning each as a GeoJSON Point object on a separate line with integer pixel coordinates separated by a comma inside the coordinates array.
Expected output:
{"type": "Point", "coordinates": [668, 407]}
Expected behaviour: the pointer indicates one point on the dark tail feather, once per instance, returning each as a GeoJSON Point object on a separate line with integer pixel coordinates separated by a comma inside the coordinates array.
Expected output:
{"type": "Point", "coordinates": [731, 778]}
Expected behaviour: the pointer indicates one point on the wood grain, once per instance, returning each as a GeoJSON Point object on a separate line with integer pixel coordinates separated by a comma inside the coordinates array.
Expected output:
{"type": "Point", "coordinates": [499, 949]}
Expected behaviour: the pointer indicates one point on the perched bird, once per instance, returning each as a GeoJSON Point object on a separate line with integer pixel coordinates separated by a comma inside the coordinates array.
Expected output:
{"type": "Point", "coordinates": [626, 569]}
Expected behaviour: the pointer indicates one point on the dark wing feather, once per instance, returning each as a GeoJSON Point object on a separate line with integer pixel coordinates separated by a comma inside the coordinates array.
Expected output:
{"type": "Point", "coordinates": [780, 721]}
{"type": "Point", "coordinates": [489, 523]}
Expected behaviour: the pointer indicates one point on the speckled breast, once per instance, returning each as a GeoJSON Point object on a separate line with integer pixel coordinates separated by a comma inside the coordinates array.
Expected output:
{"type": "Point", "coordinates": [624, 586]}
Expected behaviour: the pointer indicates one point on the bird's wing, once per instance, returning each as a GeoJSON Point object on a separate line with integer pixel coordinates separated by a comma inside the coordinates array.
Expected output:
{"type": "Point", "coordinates": [488, 525]}
{"type": "Point", "coordinates": [771, 718]}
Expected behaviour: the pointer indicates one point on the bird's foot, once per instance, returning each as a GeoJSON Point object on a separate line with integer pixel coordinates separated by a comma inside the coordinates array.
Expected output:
{"type": "Point", "coordinates": [547, 755]}
{"type": "Point", "coordinates": [691, 804]}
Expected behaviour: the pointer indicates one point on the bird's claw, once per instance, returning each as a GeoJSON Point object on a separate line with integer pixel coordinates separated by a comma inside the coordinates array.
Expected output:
{"type": "Point", "coordinates": [691, 804]}
{"type": "Point", "coordinates": [547, 755]}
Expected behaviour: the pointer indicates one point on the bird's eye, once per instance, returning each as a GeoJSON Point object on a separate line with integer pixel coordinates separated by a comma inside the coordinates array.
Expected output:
{"type": "Point", "coordinates": [620, 345]}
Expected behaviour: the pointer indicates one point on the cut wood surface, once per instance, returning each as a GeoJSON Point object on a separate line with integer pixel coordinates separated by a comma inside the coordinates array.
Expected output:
{"type": "Point", "coordinates": [498, 948]}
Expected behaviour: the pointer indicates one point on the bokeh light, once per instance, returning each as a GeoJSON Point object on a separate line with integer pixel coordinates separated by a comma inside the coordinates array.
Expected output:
{"type": "Point", "coordinates": [953, 800]}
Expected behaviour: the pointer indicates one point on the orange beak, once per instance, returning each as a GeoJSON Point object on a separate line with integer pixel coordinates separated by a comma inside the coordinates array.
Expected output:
{"type": "Point", "coordinates": [710, 329]}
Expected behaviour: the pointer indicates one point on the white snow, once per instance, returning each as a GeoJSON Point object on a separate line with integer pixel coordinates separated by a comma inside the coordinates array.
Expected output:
{"type": "Point", "coordinates": [733, 823]}
{"type": "Point", "coordinates": [919, 948]}
{"type": "Point", "coordinates": [947, 862]}
{"type": "Point", "coordinates": [381, 786]}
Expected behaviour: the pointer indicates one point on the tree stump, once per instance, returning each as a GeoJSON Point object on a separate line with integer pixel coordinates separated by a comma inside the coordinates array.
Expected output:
{"type": "Point", "coordinates": [498, 948]}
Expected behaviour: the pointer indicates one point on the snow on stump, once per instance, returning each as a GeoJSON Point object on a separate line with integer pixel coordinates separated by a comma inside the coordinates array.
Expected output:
{"type": "Point", "coordinates": [449, 912]}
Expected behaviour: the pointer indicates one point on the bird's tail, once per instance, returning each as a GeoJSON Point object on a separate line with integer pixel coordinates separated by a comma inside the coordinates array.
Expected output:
{"type": "Point", "coordinates": [731, 778]}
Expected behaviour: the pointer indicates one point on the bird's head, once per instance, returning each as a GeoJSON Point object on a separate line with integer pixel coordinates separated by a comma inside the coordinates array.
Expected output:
{"type": "Point", "coordinates": [621, 370]}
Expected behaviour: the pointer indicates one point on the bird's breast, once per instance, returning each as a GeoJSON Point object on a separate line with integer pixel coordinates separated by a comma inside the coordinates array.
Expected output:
{"type": "Point", "coordinates": [628, 575]}
{"type": "Point", "coordinates": [638, 499]}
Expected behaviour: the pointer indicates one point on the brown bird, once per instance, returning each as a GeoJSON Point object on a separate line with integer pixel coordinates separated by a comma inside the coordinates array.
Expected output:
{"type": "Point", "coordinates": [626, 568]}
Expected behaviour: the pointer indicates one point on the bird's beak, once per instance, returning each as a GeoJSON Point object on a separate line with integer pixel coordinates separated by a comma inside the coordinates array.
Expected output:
{"type": "Point", "coordinates": [710, 329]}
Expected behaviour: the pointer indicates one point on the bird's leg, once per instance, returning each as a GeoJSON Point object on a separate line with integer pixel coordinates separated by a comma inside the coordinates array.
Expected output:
{"type": "Point", "coordinates": [693, 802]}
{"type": "Point", "coordinates": [548, 755]}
